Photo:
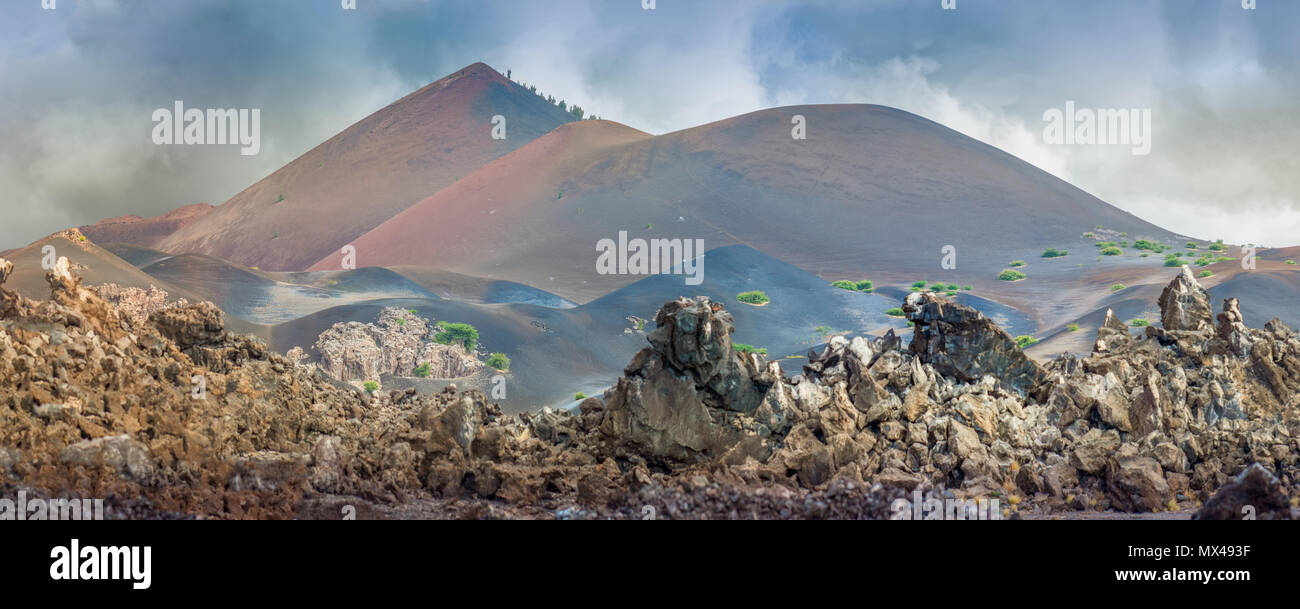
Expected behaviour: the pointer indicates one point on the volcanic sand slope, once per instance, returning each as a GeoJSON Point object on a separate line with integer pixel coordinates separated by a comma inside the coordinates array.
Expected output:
{"type": "Point", "coordinates": [271, 298]}
{"type": "Point", "coordinates": [144, 232]}
{"type": "Point", "coordinates": [873, 192]}
{"type": "Point", "coordinates": [369, 172]}
{"type": "Point", "coordinates": [466, 288]}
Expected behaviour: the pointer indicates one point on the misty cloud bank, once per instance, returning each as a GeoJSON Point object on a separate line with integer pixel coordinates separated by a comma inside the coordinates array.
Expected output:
{"type": "Point", "coordinates": [79, 85]}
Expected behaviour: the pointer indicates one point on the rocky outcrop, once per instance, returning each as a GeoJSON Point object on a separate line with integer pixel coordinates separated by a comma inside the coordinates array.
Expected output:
{"type": "Point", "coordinates": [962, 343]}
{"type": "Point", "coordinates": [1255, 494]}
{"type": "Point", "coordinates": [1184, 304]}
{"type": "Point", "coordinates": [1145, 423]}
{"type": "Point", "coordinates": [134, 303]}
{"type": "Point", "coordinates": [99, 402]}
{"type": "Point", "coordinates": [397, 344]}
{"type": "Point", "coordinates": [691, 397]}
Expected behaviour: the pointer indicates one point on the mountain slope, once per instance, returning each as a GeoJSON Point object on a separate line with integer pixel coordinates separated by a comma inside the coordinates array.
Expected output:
{"type": "Point", "coordinates": [873, 191]}
{"type": "Point", "coordinates": [373, 169]}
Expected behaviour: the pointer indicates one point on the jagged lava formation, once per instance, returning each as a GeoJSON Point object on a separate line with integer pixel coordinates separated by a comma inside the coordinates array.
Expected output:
{"type": "Point", "coordinates": [100, 404]}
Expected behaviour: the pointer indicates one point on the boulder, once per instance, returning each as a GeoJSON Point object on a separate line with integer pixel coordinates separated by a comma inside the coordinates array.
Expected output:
{"type": "Point", "coordinates": [1185, 305]}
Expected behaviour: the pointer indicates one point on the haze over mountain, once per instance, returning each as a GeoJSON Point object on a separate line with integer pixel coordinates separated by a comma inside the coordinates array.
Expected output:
{"type": "Point", "coordinates": [370, 171]}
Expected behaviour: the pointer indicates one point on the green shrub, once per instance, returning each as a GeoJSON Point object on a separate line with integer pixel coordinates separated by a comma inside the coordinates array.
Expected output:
{"type": "Point", "coordinates": [1052, 252]}
{"type": "Point", "coordinates": [753, 297]}
{"type": "Point", "coordinates": [1205, 273]}
{"type": "Point", "coordinates": [370, 386]}
{"type": "Point", "coordinates": [1191, 246]}
{"type": "Point", "coordinates": [1173, 262]}
{"type": "Point", "coordinates": [1143, 244]}
{"type": "Point", "coordinates": [1072, 327]}
{"type": "Point", "coordinates": [951, 292]}
{"type": "Point", "coordinates": [1024, 340]}
{"type": "Point", "coordinates": [1015, 263]}
{"type": "Point", "coordinates": [423, 370]}
{"type": "Point", "coordinates": [918, 284]}
{"type": "Point", "coordinates": [744, 348]}
{"type": "Point", "coordinates": [1117, 287]}
{"type": "Point", "coordinates": [401, 321]}
{"type": "Point", "coordinates": [1291, 262]}
{"type": "Point", "coordinates": [452, 333]}
{"type": "Point", "coordinates": [1111, 251]}
{"type": "Point", "coordinates": [1010, 275]}
{"type": "Point", "coordinates": [895, 312]}
{"type": "Point", "coordinates": [845, 285]}
{"type": "Point", "coordinates": [498, 361]}
{"type": "Point", "coordinates": [1090, 235]}
{"type": "Point", "coordinates": [865, 286]}
{"type": "Point", "coordinates": [1139, 323]}
{"type": "Point", "coordinates": [579, 396]}
{"type": "Point", "coordinates": [967, 288]}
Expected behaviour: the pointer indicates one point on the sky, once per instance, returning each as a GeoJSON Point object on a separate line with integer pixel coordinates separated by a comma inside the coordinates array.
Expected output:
{"type": "Point", "coordinates": [79, 84]}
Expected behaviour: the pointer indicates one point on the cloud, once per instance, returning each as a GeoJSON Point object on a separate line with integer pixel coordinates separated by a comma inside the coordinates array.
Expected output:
{"type": "Point", "coordinates": [79, 84]}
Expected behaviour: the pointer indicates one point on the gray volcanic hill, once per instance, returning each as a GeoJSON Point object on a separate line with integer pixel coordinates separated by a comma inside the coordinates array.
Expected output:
{"type": "Point", "coordinates": [455, 286]}
{"type": "Point", "coordinates": [370, 171]}
{"type": "Point", "coordinates": [270, 298]}
{"type": "Point", "coordinates": [873, 192]}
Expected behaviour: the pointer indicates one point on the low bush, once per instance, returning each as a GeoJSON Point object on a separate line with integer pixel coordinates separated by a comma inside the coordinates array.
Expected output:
{"type": "Point", "coordinates": [753, 297]}
{"type": "Point", "coordinates": [744, 348]}
{"type": "Point", "coordinates": [1052, 252]}
{"type": "Point", "coordinates": [1024, 340]}
{"type": "Point", "coordinates": [498, 361]}
{"type": "Point", "coordinates": [1010, 275]}
{"type": "Point", "coordinates": [452, 333]}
